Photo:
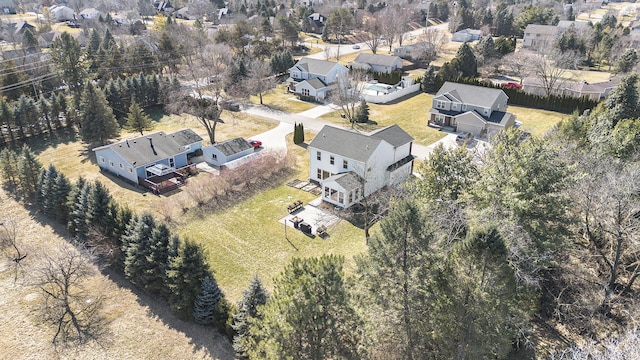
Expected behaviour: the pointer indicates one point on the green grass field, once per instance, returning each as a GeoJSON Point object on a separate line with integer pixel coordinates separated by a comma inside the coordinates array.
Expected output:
{"type": "Point", "coordinates": [280, 99]}
{"type": "Point", "coordinates": [535, 121]}
{"type": "Point", "coordinates": [410, 113]}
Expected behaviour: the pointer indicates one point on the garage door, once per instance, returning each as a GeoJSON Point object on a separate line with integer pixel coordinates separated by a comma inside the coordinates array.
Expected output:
{"type": "Point", "coordinates": [475, 130]}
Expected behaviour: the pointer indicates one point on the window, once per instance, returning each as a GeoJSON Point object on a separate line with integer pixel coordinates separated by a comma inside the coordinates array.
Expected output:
{"type": "Point", "coordinates": [341, 197]}
{"type": "Point", "coordinates": [305, 92]}
{"type": "Point", "coordinates": [327, 192]}
{"type": "Point", "coordinates": [464, 107]}
{"type": "Point", "coordinates": [345, 164]}
{"type": "Point", "coordinates": [319, 175]}
{"type": "Point", "coordinates": [486, 111]}
{"type": "Point", "coordinates": [357, 194]}
{"type": "Point", "coordinates": [121, 166]}
{"type": "Point", "coordinates": [110, 163]}
{"type": "Point", "coordinates": [454, 106]}
{"type": "Point", "coordinates": [102, 159]}
{"type": "Point", "coordinates": [214, 156]}
{"type": "Point", "coordinates": [440, 104]}
{"type": "Point", "coordinates": [318, 155]}
{"type": "Point", "coordinates": [332, 160]}
{"type": "Point", "coordinates": [350, 198]}
{"type": "Point", "coordinates": [172, 163]}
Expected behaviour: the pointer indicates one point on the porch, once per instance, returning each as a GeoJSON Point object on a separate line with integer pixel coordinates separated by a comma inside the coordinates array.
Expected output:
{"type": "Point", "coordinates": [169, 179]}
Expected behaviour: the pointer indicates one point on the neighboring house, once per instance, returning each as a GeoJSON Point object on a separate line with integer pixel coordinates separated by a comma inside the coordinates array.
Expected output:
{"type": "Point", "coordinates": [316, 23]}
{"type": "Point", "coordinates": [223, 152]}
{"type": "Point", "coordinates": [466, 35]}
{"type": "Point", "coordinates": [351, 165]}
{"type": "Point", "coordinates": [61, 13]}
{"type": "Point", "coordinates": [414, 51]}
{"type": "Point", "coordinates": [7, 7]}
{"type": "Point", "coordinates": [152, 157]}
{"type": "Point", "coordinates": [312, 78]}
{"type": "Point", "coordinates": [377, 63]}
{"type": "Point", "coordinates": [224, 12]}
{"type": "Point", "coordinates": [538, 36]}
{"type": "Point", "coordinates": [90, 13]}
{"type": "Point", "coordinates": [45, 40]}
{"type": "Point", "coordinates": [593, 91]}
{"type": "Point", "coordinates": [21, 26]}
{"type": "Point", "coordinates": [467, 108]}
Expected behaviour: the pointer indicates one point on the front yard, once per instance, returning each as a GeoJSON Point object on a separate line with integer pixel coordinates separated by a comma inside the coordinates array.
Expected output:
{"type": "Point", "coordinates": [280, 99]}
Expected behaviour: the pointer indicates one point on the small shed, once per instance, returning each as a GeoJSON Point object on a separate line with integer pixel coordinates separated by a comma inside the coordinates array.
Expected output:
{"type": "Point", "coordinates": [466, 35]}
{"type": "Point", "coordinates": [223, 152]}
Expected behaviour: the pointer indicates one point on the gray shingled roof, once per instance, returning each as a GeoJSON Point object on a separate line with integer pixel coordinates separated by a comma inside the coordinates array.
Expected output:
{"type": "Point", "coordinates": [540, 29]}
{"type": "Point", "coordinates": [349, 180]}
{"type": "Point", "coordinates": [470, 94]}
{"type": "Point", "coordinates": [185, 137]}
{"type": "Point", "coordinates": [232, 146]}
{"type": "Point", "coordinates": [146, 149]}
{"type": "Point", "coordinates": [316, 83]}
{"type": "Point", "coordinates": [376, 59]}
{"type": "Point", "coordinates": [394, 135]}
{"type": "Point", "coordinates": [347, 143]}
{"type": "Point", "coordinates": [315, 66]}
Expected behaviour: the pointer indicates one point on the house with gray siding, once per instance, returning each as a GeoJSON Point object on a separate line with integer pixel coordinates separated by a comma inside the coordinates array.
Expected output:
{"type": "Point", "coordinates": [478, 110]}
{"type": "Point", "coordinates": [156, 154]}
{"type": "Point", "coordinates": [377, 63]}
{"type": "Point", "coordinates": [313, 78]}
{"type": "Point", "coordinates": [224, 152]}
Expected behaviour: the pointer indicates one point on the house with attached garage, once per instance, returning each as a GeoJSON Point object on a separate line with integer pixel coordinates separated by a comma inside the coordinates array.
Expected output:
{"type": "Point", "coordinates": [153, 160]}
{"type": "Point", "coordinates": [313, 79]}
{"type": "Point", "coordinates": [478, 110]}
{"type": "Point", "coordinates": [226, 151]}
{"type": "Point", "coordinates": [350, 165]}
{"type": "Point", "coordinates": [377, 63]}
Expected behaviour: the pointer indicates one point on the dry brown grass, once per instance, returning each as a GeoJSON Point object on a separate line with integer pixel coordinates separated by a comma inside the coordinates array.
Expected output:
{"type": "Point", "coordinates": [138, 327]}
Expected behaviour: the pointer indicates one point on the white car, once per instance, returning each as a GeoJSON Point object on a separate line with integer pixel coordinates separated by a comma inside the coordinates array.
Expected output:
{"type": "Point", "coordinates": [356, 47]}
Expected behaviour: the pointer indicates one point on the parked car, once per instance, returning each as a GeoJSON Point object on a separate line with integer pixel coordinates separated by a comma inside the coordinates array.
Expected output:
{"type": "Point", "coordinates": [255, 143]}
{"type": "Point", "coordinates": [464, 138]}
{"type": "Point", "coordinates": [356, 47]}
{"type": "Point", "coordinates": [512, 85]}
{"type": "Point", "coordinates": [230, 105]}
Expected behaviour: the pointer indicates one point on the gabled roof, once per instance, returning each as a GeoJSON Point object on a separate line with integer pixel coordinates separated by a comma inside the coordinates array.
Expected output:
{"type": "Point", "coordinates": [185, 137]}
{"type": "Point", "coordinates": [470, 94]}
{"type": "Point", "coordinates": [7, 4]}
{"type": "Point", "coordinates": [314, 83]}
{"type": "Point", "coordinates": [394, 135]}
{"type": "Point", "coordinates": [355, 145]}
{"type": "Point", "coordinates": [540, 29]}
{"type": "Point", "coordinates": [315, 66]}
{"type": "Point", "coordinates": [349, 181]}
{"type": "Point", "coordinates": [377, 59]}
{"type": "Point", "coordinates": [232, 146]}
{"type": "Point", "coordinates": [146, 149]}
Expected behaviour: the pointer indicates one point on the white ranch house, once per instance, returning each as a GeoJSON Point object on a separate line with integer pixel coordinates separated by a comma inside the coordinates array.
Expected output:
{"type": "Point", "coordinates": [351, 165]}
{"type": "Point", "coordinates": [226, 151]}
{"type": "Point", "coordinates": [478, 110]}
{"type": "Point", "coordinates": [314, 78]}
{"type": "Point", "coordinates": [377, 63]}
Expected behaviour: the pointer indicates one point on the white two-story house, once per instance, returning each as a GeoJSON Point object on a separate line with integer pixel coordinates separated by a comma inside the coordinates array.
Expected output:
{"type": "Point", "coordinates": [478, 110]}
{"type": "Point", "coordinates": [350, 165]}
{"type": "Point", "coordinates": [313, 78]}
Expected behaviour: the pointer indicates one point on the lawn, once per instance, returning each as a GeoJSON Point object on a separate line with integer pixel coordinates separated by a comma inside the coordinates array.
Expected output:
{"type": "Point", "coordinates": [280, 99]}
{"type": "Point", "coordinates": [410, 113]}
{"type": "Point", "coordinates": [248, 239]}
{"type": "Point", "coordinates": [72, 157]}
{"type": "Point", "coordinates": [536, 121]}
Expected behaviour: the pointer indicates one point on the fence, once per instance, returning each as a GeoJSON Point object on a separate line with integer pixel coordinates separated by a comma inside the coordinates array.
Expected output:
{"type": "Point", "coordinates": [386, 98]}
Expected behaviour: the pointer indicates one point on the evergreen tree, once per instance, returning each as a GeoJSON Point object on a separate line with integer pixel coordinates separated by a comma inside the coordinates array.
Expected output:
{"type": "Point", "coordinates": [186, 272]}
{"type": "Point", "coordinates": [429, 80]}
{"type": "Point", "coordinates": [26, 116]}
{"type": "Point", "coordinates": [99, 217]}
{"type": "Point", "coordinates": [137, 120]}
{"type": "Point", "coordinates": [155, 274]}
{"type": "Point", "coordinates": [248, 308]}
{"type": "Point", "coordinates": [72, 200]}
{"type": "Point", "coordinates": [79, 213]}
{"type": "Point", "coordinates": [62, 189]}
{"type": "Point", "coordinates": [136, 249]}
{"type": "Point", "coordinates": [622, 102]}
{"type": "Point", "coordinates": [97, 123]}
{"type": "Point", "coordinates": [46, 190]}
{"type": "Point", "coordinates": [362, 112]}
{"type": "Point", "coordinates": [44, 111]}
{"type": "Point", "coordinates": [309, 315]}
{"type": "Point", "coordinates": [70, 61]}
{"type": "Point", "coordinates": [122, 219]}
{"type": "Point", "coordinates": [447, 174]}
{"type": "Point", "coordinates": [204, 307]}
{"type": "Point", "coordinates": [7, 118]}
{"type": "Point", "coordinates": [28, 172]}
{"type": "Point", "coordinates": [9, 167]}
{"type": "Point", "coordinates": [626, 62]}
{"type": "Point", "coordinates": [466, 62]}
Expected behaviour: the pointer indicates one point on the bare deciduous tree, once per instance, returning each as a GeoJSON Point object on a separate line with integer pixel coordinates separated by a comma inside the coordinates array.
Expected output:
{"type": "Point", "coordinates": [547, 71]}
{"type": "Point", "coordinates": [373, 31]}
{"type": "Point", "coordinates": [68, 304]}
{"type": "Point", "coordinates": [348, 91]}
{"type": "Point", "coordinates": [430, 43]}
{"type": "Point", "coordinates": [260, 79]}
{"type": "Point", "coordinates": [9, 243]}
